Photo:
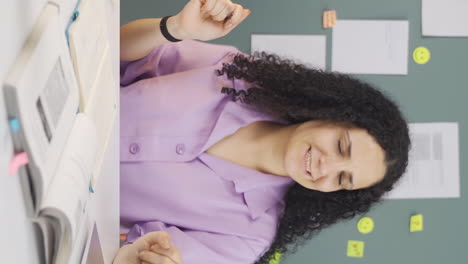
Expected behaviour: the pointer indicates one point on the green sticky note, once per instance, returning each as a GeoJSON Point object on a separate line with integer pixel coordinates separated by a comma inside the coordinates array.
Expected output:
{"type": "Point", "coordinates": [416, 223]}
{"type": "Point", "coordinates": [355, 249]}
{"type": "Point", "coordinates": [276, 258]}
{"type": "Point", "coordinates": [365, 225]}
{"type": "Point", "coordinates": [421, 55]}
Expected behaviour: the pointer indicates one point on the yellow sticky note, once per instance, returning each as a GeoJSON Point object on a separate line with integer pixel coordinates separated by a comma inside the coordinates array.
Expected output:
{"type": "Point", "coordinates": [276, 258]}
{"type": "Point", "coordinates": [355, 249]}
{"type": "Point", "coordinates": [421, 55]}
{"type": "Point", "coordinates": [416, 223]}
{"type": "Point", "coordinates": [365, 225]}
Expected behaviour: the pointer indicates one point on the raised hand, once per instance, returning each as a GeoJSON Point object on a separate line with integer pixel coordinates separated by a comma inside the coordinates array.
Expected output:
{"type": "Point", "coordinates": [208, 19]}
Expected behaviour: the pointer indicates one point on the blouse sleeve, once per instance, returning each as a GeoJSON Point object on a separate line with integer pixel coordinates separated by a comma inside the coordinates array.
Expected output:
{"type": "Point", "coordinates": [173, 57]}
{"type": "Point", "coordinates": [204, 247]}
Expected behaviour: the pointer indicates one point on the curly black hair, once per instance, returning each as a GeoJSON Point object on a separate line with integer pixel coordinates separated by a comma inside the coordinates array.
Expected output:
{"type": "Point", "coordinates": [294, 93]}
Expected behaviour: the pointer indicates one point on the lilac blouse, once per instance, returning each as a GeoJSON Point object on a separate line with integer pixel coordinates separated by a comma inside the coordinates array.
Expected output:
{"type": "Point", "coordinates": [172, 110]}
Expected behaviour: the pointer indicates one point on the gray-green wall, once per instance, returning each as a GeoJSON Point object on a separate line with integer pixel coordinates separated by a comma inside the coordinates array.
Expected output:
{"type": "Point", "coordinates": [434, 92]}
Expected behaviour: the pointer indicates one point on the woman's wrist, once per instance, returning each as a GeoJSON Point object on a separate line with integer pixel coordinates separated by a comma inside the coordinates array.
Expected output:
{"type": "Point", "coordinates": [173, 27]}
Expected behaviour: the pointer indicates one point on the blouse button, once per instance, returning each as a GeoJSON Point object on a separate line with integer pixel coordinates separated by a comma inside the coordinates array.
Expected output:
{"type": "Point", "coordinates": [180, 149]}
{"type": "Point", "coordinates": [134, 148]}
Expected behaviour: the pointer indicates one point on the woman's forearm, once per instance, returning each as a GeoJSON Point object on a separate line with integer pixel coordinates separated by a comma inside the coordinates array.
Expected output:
{"type": "Point", "coordinates": [139, 37]}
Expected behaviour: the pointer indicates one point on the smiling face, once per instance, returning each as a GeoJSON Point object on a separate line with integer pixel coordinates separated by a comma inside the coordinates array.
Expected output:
{"type": "Point", "coordinates": [421, 55]}
{"type": "Point", "coordinates": [327, 157]}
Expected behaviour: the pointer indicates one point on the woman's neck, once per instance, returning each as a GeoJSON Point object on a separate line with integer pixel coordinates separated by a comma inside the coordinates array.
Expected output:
{"type": "Point", "coordinates": [261, 146]}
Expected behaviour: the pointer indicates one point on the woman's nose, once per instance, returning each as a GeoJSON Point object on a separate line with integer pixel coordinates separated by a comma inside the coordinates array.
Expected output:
{"type": "Point", "coordinates": [329, 166]}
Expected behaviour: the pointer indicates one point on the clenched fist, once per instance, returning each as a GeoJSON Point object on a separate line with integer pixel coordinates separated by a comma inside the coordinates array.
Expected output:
{"type": "Point", "coordinates": [207, 19]}
{"type": "Point", "coordinates": [152, 248]}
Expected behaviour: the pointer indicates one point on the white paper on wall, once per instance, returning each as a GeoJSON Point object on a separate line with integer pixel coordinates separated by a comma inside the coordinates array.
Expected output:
{"type": "Point", "coordinates": [448, 18]}
{"type": "Point", "coordinates": [370, 46]}
{"type": "Point", "coordinates": [306, 49]}
{"type": "Point", "coordinates": [433, 169]}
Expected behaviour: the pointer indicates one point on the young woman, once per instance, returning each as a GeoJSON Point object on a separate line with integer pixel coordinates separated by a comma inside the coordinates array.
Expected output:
{"type": "Point", "coordinates": [229, 158]}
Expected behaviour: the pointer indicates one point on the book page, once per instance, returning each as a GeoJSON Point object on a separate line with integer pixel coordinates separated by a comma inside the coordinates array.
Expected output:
{"type": "Point", "coordinates": [102, 109]}
{"type": "Point", "coordinates": [47, 237]}
{"type": "Point", "coordinates": [41, 92]}
{"type": "Point", "coordinates": [433, 168]}
{"type": "Point", "coordinates": [69, 190]}
{"type": "Point", "coordinates": [88, 43]}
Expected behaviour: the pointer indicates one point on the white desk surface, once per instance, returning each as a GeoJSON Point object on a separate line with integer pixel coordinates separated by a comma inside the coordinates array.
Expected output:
{"type": "Point", "coordinates": [17, 241]}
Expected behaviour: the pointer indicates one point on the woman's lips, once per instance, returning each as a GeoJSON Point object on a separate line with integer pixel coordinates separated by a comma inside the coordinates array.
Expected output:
{"type": "Point", "coordinates": [308, 175]}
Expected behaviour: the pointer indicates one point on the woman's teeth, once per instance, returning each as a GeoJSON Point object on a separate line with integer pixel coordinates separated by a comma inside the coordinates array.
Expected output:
{"type": "Point", "coordinates": [308, 161]}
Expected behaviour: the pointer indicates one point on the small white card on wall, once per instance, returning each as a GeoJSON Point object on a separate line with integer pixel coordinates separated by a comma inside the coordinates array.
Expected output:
{"type": "Point", "coordinates": [370, 47]}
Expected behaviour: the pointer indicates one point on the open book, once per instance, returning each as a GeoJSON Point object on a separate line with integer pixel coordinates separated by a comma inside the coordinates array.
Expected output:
{"type": "Point", "coordinates": [63, 213]}
{"type": "Point", "coordinates": [41, 92]}
{"type": "Point", "coordinates": [91, 56]}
